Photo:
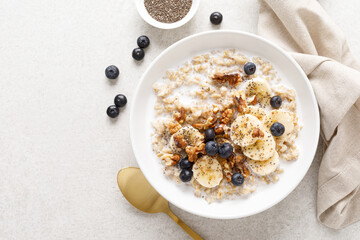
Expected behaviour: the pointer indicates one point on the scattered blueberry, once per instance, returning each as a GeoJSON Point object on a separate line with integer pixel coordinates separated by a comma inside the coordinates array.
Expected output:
{"type": "Point", "coordinates": [276, 102]}
{"type": "Point", "coordinates": [112, 72]}
{"type": "Point", "coordinates": [112, 111]}
{"type": "Point", "coordinates": [225, 150]}
{"type": "Point", "coordinates": [216, 18]}
{"type": "Point", "coordinates": [185, 163]}
{"type": "Point", "coordinates": [185, 175]}
{"type": "Point", "coordinates": [209, 134]}
{"type": "Point", "coordinates": [138, 54]}
{"type": "Point", "coordinates": [249, 68]}
{"type": "Point", "coordinates": [211, 148]}
{"type": "Point", "coordinates": [120, 100]}
{"type": "Point", "coordinates": [143, 41]}
{"type": "Point", "coordinates": [277, 129]}
{"type": "Point", "coordinates": [237, 179]}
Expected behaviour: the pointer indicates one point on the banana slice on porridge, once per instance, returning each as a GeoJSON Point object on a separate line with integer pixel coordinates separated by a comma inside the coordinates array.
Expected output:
{"type": "Point", "coordinates": [207, 171]}
{"type": "Point", "coordinates": [262, 149]}
{"type": "Point", "coordinates": [284, 117]}
{"type": "Point", "coordinates": [242, 129]}
{"type": "Point", "coordinates": [266, 167]}
{"type": "Point", "coordinates": [184, 137]}
{"type": "Point", "coordinates": [257, 112]}
{"type": "Point", "coordinates": [260, 88]}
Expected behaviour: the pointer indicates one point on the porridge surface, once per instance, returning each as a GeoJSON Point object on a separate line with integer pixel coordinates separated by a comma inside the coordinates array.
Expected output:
{"type": "Point", "coordinates": [212, 91]}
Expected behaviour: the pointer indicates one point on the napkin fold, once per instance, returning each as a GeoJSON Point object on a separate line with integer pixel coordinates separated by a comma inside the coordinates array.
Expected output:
{"type": "Point", "coordinates": [303, 28]}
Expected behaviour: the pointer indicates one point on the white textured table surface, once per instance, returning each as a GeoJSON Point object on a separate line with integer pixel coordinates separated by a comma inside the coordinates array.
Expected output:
{"type": "Point", "coordinates": [60, 153]}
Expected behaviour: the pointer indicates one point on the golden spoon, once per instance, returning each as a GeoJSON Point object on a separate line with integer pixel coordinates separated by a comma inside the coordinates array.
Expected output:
{"type": "Point", "coordinates": [138, 191]}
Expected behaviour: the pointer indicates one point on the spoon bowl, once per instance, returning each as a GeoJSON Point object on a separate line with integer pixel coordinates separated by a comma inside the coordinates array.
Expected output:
{"type": "Point", "coordinates": [138, 191]}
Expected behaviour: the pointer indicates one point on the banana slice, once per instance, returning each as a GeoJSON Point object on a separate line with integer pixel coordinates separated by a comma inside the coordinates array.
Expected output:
{"type": "Point", "coordinates": [207, 171]}
{"type": "Point", "coordinates": [191, 135]}
{"type": "Point", "coordinates": [262, 149]}
{"type": "Point", "coordinates": [284, 117]}
{"type": "Point", "coordinates": [242, 129]}
{"type": "Point", "coordinates": [265, 167]}
{"type": "Point", "coordinates": [256, 111]}
{"type": "Point", "coordinates": [260, 88]}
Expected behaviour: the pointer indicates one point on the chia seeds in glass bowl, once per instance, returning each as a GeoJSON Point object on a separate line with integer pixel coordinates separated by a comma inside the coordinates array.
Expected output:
{"type": "Point", "coordinates": [168, 11]}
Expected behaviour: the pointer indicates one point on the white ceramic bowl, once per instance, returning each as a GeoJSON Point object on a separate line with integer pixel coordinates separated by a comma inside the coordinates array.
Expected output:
{"type": "Point", "coordinates": [147, 18]}
{"type": "Point", "coordinates": [142, 114]}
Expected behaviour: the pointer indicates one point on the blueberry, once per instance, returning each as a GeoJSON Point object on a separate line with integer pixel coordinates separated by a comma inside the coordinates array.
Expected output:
{"type": "Point", "coordinates": [249, 68]}
{"type": "Point", "coordinates": [185, 163]}
{"type": "Point", "coordinates": [211, 148]}
{"type": "Point", "coordinates": [120, 100]}
{"type": "Point", "coordinates": [112, 111]}
{"type": "Point", "coordinates": [237, 179]}
{"type": "Point", "coordinates": [209, 134]}
{"type": "Point", "coordinates": [277, 129]}
{"type": "Point", "coordinates": [225, 150]}
{"type": "Point", "coordinates": [276, 102]}
{"type": "Point", "coordinates": [112, 72]}
{"type": "Point", "coordinates": [138, 54]}
{"type": "Point", "coordinates": [216, 18]}
{"type": "Point", "coordinates": [185, 175]}
{"type": "Point", "coordinates": [143, 41]}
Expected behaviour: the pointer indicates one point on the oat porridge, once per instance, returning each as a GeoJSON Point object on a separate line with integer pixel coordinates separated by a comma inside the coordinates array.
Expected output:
{"type": "Point", "coordinates": [224, 122]}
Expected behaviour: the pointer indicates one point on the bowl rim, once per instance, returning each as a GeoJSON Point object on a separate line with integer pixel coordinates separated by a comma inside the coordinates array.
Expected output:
{"type": "Point", "coordinates": [153, 22]}
{"type": "Point", "coordinates": [174, 45]}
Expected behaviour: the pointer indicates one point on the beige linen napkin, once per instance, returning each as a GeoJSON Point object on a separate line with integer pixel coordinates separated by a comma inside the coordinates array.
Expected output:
{"type": "Point", "coordinates": [303, 28]}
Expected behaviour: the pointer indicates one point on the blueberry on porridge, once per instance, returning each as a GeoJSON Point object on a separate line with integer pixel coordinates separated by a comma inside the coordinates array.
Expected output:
{"type": "Point", "coordinates": [224, 123]}
{"type": "Point", "coordinates": [211, 148]}
{"type": "Point", "coordinates": [277, 129]}
{"type": "Point", "coordinates": [275, 102]}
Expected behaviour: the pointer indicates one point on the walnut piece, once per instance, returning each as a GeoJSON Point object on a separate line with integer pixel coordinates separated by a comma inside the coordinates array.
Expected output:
{"type": "Point", "coordinates": [240, 104]}
{"type": "Point", "coordinates": [210, 123]}
{"type": "Point", "coordinates": [222, 132]}
{"type": "Point", "coordinates": [222, 78]}
{"type": "Point", "coordinates": [231, 160]}
{"type": "Point", "coordinates": [180, 116]}
{"type": "Point", "coordinates": [257, 133]}
{"type": "Point", "coordinates": [227, 169]}
{"type": "Point", "coordinates": [192, 152]}
{"type": "Point", "coordinates": [180, 141]}
{"type": "Point", "coordinates": [239, 159]}
{"type": "Point", "coordinates": [176, 158]}
{"type": "Point", "coordinates": [219, 129]}
{"type": "Point", "coordinates": [253, 100]}
{"type": "Point", "coordinates": [174, 127]}
{"type": "Point", "coordinates": [240, 165]}
{"type": "Point", "coordinates": [226, 116]}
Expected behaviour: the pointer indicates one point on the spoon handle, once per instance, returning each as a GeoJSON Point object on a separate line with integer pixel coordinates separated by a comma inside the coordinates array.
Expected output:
{"type": "Point", "coordinates": [186, 228]}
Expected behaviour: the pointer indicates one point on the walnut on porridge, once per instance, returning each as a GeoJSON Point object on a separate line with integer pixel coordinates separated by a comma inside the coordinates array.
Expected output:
{"type": "Point", "coordinates": [209, 123]}
{"type": "Point", "coordinates": [231, 78]}
{"type": "Point", "coordinates": [180, 116]}
{"type": "Point", "coordinates": [192, 152]}
{"type": "Point", "coordinates": [239, 164]}
{"type": "Point", "coordinates": [219, 129]}
{"type": "Point", "coordinates": [240, 103]}
{"type": "Point", "coordinates": [257, 133]}
{"type": "Point", "coordinates": [180, 141]}
{"type": "Point", "coordinates": [173, 127]}
{"type": "Point", "coordinates": [253, 100]}
{"type": "Point", "coordinates": [226, 116]}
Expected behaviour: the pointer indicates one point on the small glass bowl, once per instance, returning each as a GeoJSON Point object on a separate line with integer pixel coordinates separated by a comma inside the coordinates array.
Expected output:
{"type": "Point", "coordinates": [147, 18]}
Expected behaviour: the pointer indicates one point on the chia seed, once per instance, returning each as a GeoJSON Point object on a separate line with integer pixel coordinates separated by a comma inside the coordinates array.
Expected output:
{"type": "Point", "coordinates": [168, 11]}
